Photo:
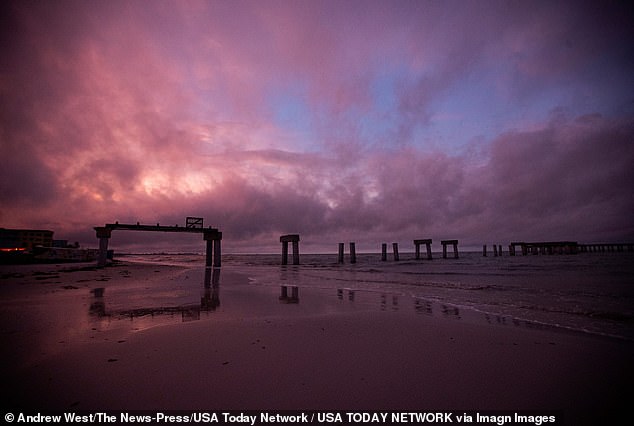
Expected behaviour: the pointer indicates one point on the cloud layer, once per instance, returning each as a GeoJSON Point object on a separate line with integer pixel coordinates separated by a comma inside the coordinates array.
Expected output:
{"type": "Point", "coordinates": [368, 121]}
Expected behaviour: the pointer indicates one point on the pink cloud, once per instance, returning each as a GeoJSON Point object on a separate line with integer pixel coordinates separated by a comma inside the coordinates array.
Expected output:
{"type": "Point", "coordinates": [121, 112]}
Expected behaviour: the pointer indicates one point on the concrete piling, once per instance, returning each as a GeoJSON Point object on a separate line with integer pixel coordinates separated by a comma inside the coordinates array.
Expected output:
{"type": "Point", "coordinates": [418, 243]}
{"type": "Point", "coordinates": [454, 243]}
{"type": "Point", "coordinates": [294, 239]}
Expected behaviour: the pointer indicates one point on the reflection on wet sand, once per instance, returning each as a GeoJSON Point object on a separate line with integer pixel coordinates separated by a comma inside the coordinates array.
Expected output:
{"type": "Point", "coordinates": [431, 308]}
{"type": "Point", "coordinates": [209, 302]}
{"type": "Point", "coordinates": [350, 294]}
{"type": "Point", "coordinates": [285, 298]}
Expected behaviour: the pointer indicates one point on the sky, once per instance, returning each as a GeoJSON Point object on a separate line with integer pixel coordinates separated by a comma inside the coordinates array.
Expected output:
{"type": "Point", "coordinates": [366, 121]}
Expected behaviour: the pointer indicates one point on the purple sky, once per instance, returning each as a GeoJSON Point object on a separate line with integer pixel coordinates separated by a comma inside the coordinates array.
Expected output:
{"type": "Point", "coordinates": [366, 121]}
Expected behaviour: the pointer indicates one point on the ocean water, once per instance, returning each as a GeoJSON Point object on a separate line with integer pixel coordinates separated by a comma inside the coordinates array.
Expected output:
{"type": "Point", "coordinates": [587, 292]}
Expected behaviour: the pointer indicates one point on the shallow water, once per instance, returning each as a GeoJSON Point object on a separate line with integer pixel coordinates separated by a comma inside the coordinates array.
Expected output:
{"type": "Point", "coordinates": [588, 292]}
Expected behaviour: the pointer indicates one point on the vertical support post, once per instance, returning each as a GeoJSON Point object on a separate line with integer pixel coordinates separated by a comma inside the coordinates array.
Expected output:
{"type": "Point", "coordinates": [284, 252]}
{"type": "Point", "coordinates": [395, 250]}
{"type": "Point", "coordinates": [340, 257]}
{"type": "Point", "coordinates": [209, 253]}
{"type": "Point", "coordinates": [511, 250]}
{"type": "Point", "coordinates": [217, 254]}
{"type": "Point", "coordinates": [428, 245]}
{"type": "Point", "coordinates": [103, 251]}
{"type": "Point", "coordinates": [104, 234]}
{"type": "Point", "coordinates": [484, 250]}
{"type": "Point", "coordinates": [213, 256]}
{"type": "Point", "coordinates": [296, 252]}
{"type": "Point", "coordinates": [499, 249]}
{"type": "Point", "coordinates": [353, 253]}
{"type": "Point", "coordinates": [444, 250]}
{"type": "Point", "coordinates": [384, 252]}
{"type": "Point", "coordinates": [417, 248]}
{"type": "Point", "coordinates": [455, 250]}
{"type": "Point", "coordinates": [495, 250]}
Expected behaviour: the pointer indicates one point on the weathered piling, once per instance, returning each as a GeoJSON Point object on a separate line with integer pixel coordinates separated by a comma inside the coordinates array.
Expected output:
{"type": "Point", "coordinates": [353, 253]}
{"type": "Point", "coordinates": [484, 250]}
{"type": "Point", "coordinates": [454, 243]}
{"type": "Point", "coordinates": [384, 252]}
{"type": "Point", "coordinates": [104, 234]}
{"type": "Point", "coordinates": [418, 243]}
{"type": "Point", "coordinates": [285, 239]}
{"type": "Point", "coordinates": [495, 250]}
{"type": "Point", "coordinates": [395, 250]}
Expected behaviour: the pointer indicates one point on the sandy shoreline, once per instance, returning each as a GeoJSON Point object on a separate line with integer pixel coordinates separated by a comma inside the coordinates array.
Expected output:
{"type": "Point", "coordinates": [253, 352]}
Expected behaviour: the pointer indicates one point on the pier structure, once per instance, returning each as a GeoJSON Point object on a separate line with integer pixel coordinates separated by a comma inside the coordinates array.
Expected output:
{"type": "Point", "coordinates": [605, 247]}
{"type": "Point", "coordinates": [454, 243]}
{"type": "Point", "coordinates": [417, 244]}
{"type": "Point", "coordinates": [353, 253]}
{"type": "Point", "coordinates": [212, 236]}
{"type": "Point", "coordinates": [545, 247]}
{"type": "Point", "coordinates": [290, 238]}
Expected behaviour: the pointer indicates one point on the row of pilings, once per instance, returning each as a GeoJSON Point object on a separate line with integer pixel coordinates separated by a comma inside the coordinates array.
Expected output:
{"type": "Point", "coordinates": [294, 240]}
{"type": "Point", "coordinates": [526, 248]}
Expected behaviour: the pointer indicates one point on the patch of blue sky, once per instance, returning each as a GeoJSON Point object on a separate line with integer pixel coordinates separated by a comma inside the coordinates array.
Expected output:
{"type": "Point", "coordinates": [383, 90]}
{"type": "Point", "coordinates": [473, 109]}
{"type": "Point", "coordinates": [380, 122]}
{"type": "Point", "coordinates": [292, 113]}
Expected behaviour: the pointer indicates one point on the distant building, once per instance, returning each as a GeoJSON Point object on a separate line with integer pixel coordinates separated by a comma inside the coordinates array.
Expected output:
{"type": "Point", "coordinates": [24, 239]}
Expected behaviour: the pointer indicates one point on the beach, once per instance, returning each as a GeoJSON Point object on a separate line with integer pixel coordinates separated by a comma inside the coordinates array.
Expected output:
{"type": "Point", "coordinates": [156, 337]}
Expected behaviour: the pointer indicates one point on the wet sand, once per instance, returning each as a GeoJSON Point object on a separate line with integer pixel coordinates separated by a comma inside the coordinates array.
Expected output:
{"type": "Point", "coordinates": [252, 352]}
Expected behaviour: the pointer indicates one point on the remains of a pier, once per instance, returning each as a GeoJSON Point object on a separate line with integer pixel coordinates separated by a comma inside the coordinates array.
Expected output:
{"type": "Point", "coordinates": [603, 247]}
{"type": "Point", "coordinates": [193, 225]}
{"type": "Point", "coordinates": [545, 247]}
{"type": "Point", "coordinates": [454, 243]}
{"type": "Point", "coordinates": [417, 244]}
{"type": "Point", "coordinates": [285, 239]}
{"type": "Point", "coordinates": [353, 253]}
